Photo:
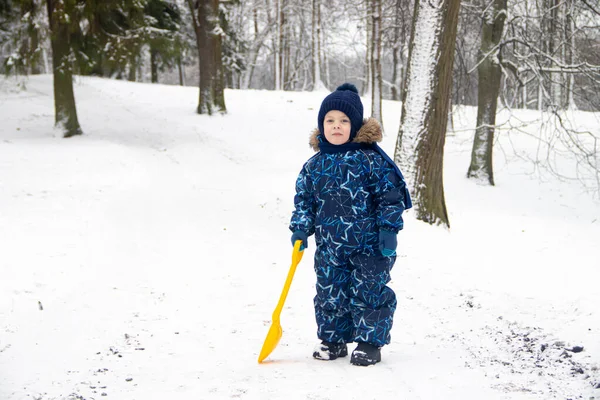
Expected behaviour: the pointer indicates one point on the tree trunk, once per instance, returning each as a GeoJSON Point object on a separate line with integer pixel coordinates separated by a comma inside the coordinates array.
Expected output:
{"type": "Point", "coordinates": [377, 79]}
{"type": "Point", "coordinates": [570, 51]}
{"type": "Point", "coordinates": [368, 88]}
{"type": "Point", "coordinates": [277, 46]}
{"type": "Point", "coordinates": [208, 37]}
{"type": "Point", "coordinates": [153, 64]}
{"type": "Point", "coordinates": [282, 44]}
{"type": "Point", "coordinates": [554, 37]}
{"type": "Point", "coordinates": [254, 49]}
{"type": "Point", "coordinates": [316, 40]}
{"type": "Point", "coordinates": [35, 62]}
{"type": "Point", "coordinates": [181, 71]}
{"type": "Point", "coordinates": [426, 98]}
{"type": "Point", "coordinates": [34, 35]}
{"type": "Point", "coordinates": [540, 98]}
{"type": "Point", "coordinates": [132, 75]}
{"type": "Point", "coordinates": [490, 75]}
{"type": "Point", "coordinates": [524, 96]}
{"type": "Point", "coordinates": [396, 52]}
{"type": "Point", "coordinates": [325, 62]}
{"type": "Point", "coordinates": [219, 81]}
{"type": "Point", "coordinates": [64, 98]}
{"type": "Point", "coordinates": [45, 61]}
{"type": "Point", "coordinates": [29, 50]}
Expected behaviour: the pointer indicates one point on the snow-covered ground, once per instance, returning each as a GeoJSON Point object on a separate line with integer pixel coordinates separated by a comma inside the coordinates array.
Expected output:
{"type": "Point", "coordinates": [143, 260]}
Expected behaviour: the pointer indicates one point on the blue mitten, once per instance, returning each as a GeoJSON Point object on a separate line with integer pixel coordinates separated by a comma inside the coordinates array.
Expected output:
{"type": "Point", "coordinates": [299, 235]}
{"type": "Point", "coordinates": [387, 243]}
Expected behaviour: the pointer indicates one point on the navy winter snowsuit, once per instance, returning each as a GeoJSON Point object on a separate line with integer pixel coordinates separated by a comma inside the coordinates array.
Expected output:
{"type": "Point", "coordinates": [345, 198]}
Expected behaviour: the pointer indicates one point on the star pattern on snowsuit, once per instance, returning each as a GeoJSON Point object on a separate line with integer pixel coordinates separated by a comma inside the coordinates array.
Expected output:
{"type": "Point", "coordinates": [345, 199]}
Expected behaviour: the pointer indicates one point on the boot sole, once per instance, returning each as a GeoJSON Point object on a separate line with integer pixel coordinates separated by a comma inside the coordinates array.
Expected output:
{"type": "Point", "coordinates": [364, 363]}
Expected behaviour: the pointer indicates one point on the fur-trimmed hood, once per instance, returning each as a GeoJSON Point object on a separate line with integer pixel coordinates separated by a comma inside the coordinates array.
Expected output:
{"type": "Point", "coordinates": [370, 132]}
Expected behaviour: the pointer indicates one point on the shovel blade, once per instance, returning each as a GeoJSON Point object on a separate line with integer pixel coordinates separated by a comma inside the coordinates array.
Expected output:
{"type": "Point", "coordinates": [271, 341]}
{"type": "Point", "coordinates": [275, 331]}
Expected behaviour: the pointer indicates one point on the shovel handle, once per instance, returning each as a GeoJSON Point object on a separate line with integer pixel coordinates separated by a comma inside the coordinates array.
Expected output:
{"type": "Point", "coordinates": [296, 257]}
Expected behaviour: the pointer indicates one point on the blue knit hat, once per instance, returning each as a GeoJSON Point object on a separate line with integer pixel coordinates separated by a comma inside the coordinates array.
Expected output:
{"type": "Point", "coordinates": [344, 99]}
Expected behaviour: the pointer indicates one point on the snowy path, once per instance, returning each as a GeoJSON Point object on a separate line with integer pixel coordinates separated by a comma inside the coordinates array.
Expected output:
{"type": "Point", "coordinates": [143, 261]}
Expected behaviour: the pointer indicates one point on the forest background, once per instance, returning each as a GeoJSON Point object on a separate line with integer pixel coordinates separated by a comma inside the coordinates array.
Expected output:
{"type": "Point", "coordinates": [435, 55]}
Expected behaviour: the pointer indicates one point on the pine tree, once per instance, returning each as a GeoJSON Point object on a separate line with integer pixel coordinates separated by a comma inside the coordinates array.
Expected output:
{"type": "Point", "coordinates": [86, 35]}
{"type": "Point", "coordinates": [23, 25]}
{"type": "Point", "coordinates": [108, 37]}
{"type": "Point", "coordinates": [166, 43]}
{"type": "Point", "coordinates": [234, 47]}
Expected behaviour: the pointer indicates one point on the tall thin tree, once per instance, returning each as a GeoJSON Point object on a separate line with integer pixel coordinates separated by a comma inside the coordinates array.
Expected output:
{"type": "Point", "coordinates": [316, 46]}
{"type": "Point", "coordinates": [396, 50]}
{"type": "Point", "coordinates": [376, 76]}
{"type": "Point", "coordinates": [368, 76]}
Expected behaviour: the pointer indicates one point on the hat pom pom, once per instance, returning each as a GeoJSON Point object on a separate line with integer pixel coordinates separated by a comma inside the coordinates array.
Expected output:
{"type": "Point", "coordinates": [348, 86]}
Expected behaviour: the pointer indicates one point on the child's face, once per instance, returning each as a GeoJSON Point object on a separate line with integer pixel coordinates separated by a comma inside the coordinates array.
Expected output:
{"type": "Point", "coordinates": [337, 126]}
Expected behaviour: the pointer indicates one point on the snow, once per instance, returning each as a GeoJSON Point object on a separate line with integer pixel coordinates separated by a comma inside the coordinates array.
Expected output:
{"type": "Point", "coordinates": [143, 259]}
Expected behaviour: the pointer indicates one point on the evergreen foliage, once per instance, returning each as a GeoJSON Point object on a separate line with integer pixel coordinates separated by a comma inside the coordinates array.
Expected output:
{"type": "Point", "coordinates": [107, 36]}
{"type": "Point", "coordinates": [165, 40]}
{"type": "Point", "coordinates": [234, 47]}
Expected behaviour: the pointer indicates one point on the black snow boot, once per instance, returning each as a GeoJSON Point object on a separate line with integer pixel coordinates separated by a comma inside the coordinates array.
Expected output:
{"type": "Point", "coordinates": [365, 354]}
{"type": "Point", "coordinates": [330, 351]}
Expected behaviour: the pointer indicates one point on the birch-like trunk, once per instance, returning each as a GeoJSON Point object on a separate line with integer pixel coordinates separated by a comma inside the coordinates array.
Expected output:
{"type": "Point", "coordinates": [570, 51]}
{"type": "Point", "coordinates": [325, 60]}
{"type": "Point", "coordinates": [490, 75]}
{"type": "Point", "coordinates": [318, 84]}
{"type": "Point", "coordinates": [377, 79]}
{"type": "Point", "coordinates": [396, 68]}
{"type": "Point", "coordinates": [555, 36]}
{"type": "Point", "coordinates": [277, 61]}
{"type": "Point", "coordinates": [540, 98]}
{"type": "Point", "coordinates": [283, 56]}
{"type": "Point", "coordinates": [368, 54]}
{"type": "Point", "coordinates": [524, 95]}
{"type": "Point", "coordinates": [426, 99]}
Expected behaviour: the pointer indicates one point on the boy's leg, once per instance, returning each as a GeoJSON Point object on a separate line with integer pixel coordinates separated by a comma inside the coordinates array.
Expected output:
{"type": "Point", "coordinates": [372, 303]}
{"type": "Point", "coordinates": [332, 302]}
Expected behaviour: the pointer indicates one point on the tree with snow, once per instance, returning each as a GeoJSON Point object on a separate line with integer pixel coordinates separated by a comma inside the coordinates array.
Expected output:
{"type": "Point", "coordinates": [166, 43]}
{"type": "Point", "coordinates": [425, 106]}
{"type": "Point", "coordinates": [86, 36]}
{"type": "Point", "coordinates": [24, 32]}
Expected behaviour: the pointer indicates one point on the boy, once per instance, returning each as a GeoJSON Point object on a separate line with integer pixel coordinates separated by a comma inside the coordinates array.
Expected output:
{"type": "Point", "coordinates": [351, 195]}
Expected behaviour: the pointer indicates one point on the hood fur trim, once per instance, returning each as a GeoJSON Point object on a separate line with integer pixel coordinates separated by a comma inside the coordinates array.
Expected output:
{"type": "Point", "coordinates": [370, 132]}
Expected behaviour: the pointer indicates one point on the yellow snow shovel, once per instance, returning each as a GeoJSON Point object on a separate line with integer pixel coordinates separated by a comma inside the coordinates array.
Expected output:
{"type": "Point", "coordinates": [275, 330]}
